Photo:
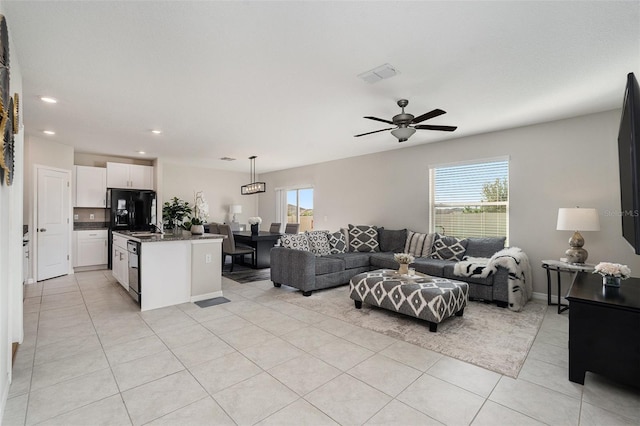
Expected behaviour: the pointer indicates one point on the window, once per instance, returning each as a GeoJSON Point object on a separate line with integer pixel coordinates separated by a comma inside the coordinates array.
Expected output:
{"type": "Point", "coordinates": [470, 200]}
{"type": "Point", "coordinates": [300, 208]}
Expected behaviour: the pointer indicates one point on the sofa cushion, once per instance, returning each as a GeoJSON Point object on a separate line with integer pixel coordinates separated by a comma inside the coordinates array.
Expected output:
{"type": "Point", "coordinates": [318, 242]}
{"type": "Point", "coordinates": [363, 238]}
{"type": "Point", "coordinates": [433, 267]}
{"type": "Point", "coordinates": [448, 248]}
{"type": "Point", "coordinates": [418, 244]}
{"type": "Point", "coordinates": [383, 261]}
{"type": "Point", "coordinates": [327, 265]}
{"type": "Point", "coordinates": [484, 247]}
{"type": "Point", "coordinates": [392, 240]}
{"type": "Point", "coordinates": [353, 259]}
{"type": "Point", "coordinates": [337, 242]}
{"type": "Point", "coordinates": [295, 241]}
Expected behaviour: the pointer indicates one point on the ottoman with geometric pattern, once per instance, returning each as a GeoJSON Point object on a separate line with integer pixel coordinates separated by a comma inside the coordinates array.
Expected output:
{"type": "Point", "coordinates": [429, 298]}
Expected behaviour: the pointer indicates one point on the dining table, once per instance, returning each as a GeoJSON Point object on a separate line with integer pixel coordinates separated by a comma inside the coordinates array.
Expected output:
{"type": "Point", "coordinates": [262, 242]}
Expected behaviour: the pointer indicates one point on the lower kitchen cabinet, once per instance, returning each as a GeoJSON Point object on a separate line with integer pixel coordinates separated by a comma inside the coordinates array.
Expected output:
{"type": "Point", "coordinates": [120, 261]}
{"type": "Point", "coordinates": [90, 248]}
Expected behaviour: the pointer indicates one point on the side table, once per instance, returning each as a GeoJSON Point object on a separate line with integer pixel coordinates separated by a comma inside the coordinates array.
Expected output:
{"type": "Point", "coordinates": [559, 267]}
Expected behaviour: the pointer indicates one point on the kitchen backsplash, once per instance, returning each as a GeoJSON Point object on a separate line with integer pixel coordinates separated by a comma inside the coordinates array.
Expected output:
{"type": "Point", "coordinates": [84, 215]}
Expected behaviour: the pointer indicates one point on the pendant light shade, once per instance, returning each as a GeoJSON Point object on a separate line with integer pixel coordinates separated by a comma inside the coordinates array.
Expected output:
{"type": "Point", "coordinates": [253, 187]}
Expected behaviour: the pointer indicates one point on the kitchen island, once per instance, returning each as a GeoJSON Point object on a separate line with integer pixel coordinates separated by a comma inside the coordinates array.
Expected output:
{"type": "Point", "coordinates": [168, 269]}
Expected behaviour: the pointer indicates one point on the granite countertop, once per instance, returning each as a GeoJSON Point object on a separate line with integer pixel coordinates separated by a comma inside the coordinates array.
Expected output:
{"type": "Point", "coordinates": [156, 237]}
{"type": "Point", "coordinates": [89, 226]}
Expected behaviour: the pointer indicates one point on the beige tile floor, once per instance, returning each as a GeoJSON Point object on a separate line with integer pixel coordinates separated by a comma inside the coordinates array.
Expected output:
{"type": "Point", "coordinates": [90, 357]}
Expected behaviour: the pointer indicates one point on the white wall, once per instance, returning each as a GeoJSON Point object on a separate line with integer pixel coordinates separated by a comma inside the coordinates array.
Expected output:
{"type": "Point", "coordinates": [41, 152]}
{"type": "Point", "coordinates": [221, 189]}
{"type": "Point", "coordinates": [11, 245]}
{"type": "Point", "coordinates": [565, 163]}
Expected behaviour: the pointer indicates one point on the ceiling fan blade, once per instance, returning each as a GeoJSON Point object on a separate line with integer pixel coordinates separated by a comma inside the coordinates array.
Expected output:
{"type": "Point", "coordinates": [380, 119]}
{"type": "Point", "coordinates": [436, 112]}
{"type": "Point", "coordinates": [375, 131]}
{"type": "Point", "coordinates": [430, 127]}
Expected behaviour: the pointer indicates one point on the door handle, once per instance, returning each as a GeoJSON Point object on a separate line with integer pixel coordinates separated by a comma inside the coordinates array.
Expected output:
{"type": "Point", "coordinates": [42, 230]}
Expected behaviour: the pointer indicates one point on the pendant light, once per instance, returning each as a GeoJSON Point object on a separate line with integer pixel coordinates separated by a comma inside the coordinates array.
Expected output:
{"type": "Point", "coordinates": [253, 187]}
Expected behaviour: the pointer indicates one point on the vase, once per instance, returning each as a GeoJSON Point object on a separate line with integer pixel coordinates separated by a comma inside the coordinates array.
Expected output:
{"type": "Point", "coordinates": [403, 269]}
{"type": "Point", "coordinates": [197, 229]}
{"type": "Point", "coordinates": [177, 229]}
{"type": "Point", "coordinates": [255, 229]}
{"type": "Point", "coordinates": [610, 281]}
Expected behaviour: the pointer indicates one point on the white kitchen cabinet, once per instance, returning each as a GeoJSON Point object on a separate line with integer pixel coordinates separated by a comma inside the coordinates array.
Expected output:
{"type": "Point", "coordinates": [129, 176]}
{"type": "Point", "coordinates": [90, 186]}
{"type": "Point", "coordinates": [120, 261]}
{"type": "Point", "coordinates": [90, 248]}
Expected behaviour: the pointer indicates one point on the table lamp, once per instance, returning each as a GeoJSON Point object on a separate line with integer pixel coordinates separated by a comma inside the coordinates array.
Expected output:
{"type": "Point", "coordinates": [235, 209]}
{"type": "Point", "coordinates": [577, 219]}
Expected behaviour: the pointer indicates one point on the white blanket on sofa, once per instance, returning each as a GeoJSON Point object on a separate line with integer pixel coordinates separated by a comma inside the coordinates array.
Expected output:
{"type": "Point", "coordinates": [513, 260]}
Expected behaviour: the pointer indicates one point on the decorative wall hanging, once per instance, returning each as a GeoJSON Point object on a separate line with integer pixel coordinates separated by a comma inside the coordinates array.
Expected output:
{"type": "Point", "coordinates": [9, 110]}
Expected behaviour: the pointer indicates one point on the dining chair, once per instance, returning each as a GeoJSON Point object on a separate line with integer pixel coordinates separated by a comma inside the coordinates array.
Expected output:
{"type": "Point", "coordinates": [275, 227]}
{"type": "Point", "coordinates": [229, 247]}
{"type": "Point", "coordinates": [292, 228]}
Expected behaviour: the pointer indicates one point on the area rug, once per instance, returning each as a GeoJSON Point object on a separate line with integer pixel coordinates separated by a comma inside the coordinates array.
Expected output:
{"type": "Point", "coordinates": [494, 338]}
{"type": "Point", "coordinates": [243, 274]}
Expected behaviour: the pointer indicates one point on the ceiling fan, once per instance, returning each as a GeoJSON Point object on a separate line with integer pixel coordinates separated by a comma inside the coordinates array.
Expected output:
{"type": "Point", "coordinates": [405, 123]}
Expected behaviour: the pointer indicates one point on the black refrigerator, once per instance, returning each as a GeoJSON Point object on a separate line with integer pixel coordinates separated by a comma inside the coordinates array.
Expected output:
{"type": "Point", "coordinates": [130, 210]}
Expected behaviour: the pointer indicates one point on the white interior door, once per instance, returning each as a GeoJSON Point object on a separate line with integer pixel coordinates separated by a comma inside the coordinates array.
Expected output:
{"type": "Point", "coordinates": [52, 224]}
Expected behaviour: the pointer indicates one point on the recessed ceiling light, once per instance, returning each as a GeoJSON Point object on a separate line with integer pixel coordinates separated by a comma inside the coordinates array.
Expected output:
{"type": "Point", "coordinates": [48, 100]}
{"type": "Point", "coordinates": [141, 152]}
{"type": "Point", "coordinates": [156, 132]}
{"type": "Point", "coordinates": [48, 132]}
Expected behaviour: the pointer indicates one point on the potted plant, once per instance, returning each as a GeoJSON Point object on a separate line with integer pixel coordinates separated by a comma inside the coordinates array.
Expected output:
{"type": "Point", "coordinates": [404, 259]}
{"type": "Point", "coordinates": [255, 224]}
{"type": "Point", "coordinates": [200, 214]}
{"type": "Point", "coordinates": [612, 273]}
{"type": "Point", "coordinates": [174, 212]}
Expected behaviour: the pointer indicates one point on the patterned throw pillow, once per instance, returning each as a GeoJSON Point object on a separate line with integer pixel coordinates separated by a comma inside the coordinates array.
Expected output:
{"type": "Point", "coordinates": [337, 243]}
{"type": "Point", "coordinates": [448, 248]}
{"type": "Point", "coordinates": [363, 238]}
{"type": "Point", "coordinates": [318, 242]}
{"type": "Point", "coordinates": [295, 241]}
{"type": "Point", "coordinates": [418, 244]}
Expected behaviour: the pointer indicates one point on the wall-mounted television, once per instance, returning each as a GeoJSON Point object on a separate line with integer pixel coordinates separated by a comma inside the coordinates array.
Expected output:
{"type": "Point", "coordinates": [629, 158]}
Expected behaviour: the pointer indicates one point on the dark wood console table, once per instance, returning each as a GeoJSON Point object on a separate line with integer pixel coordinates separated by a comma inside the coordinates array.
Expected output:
{"type": "Point", "coordinates": [604, 329]}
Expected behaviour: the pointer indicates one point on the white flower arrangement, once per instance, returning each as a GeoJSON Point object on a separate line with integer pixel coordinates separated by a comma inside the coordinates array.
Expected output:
{"type": "Point", "coordinates": [255, 220]}
{"type": "Point", "coordinates": [200, 210]}
{"type": "Point", "coordinates": [612, 270]}
{"type": "Point", "coordinates": [404, 258]}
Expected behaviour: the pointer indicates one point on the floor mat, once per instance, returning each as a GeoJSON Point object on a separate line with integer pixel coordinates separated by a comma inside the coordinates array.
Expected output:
{"type": "Point", "coordinates": [212, 302]}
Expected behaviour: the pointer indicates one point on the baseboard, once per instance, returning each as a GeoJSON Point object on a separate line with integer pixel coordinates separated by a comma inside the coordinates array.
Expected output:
{"type": "Point", "coordinates": [206, 296]}
{"type": "Point", "coordinates": [543, 296]}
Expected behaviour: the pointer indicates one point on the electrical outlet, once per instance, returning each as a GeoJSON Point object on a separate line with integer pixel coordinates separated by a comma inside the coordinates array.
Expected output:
{"type": "Point", "coordinates": [92, 216]}
{"type": "Point", "coordinates": [76, 217]}
{"type": "Point", "coordinates": [207, 258]}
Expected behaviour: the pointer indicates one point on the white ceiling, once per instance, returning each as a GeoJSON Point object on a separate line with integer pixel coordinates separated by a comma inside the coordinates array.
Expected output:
{"type": "Point", "coordinates": [279, 79]}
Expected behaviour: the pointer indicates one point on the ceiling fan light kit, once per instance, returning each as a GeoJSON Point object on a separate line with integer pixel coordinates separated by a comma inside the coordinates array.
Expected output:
{"type": "Point", "coordinates": [406, 124]}
{"type": "Point", "coordinates": [253, 187]}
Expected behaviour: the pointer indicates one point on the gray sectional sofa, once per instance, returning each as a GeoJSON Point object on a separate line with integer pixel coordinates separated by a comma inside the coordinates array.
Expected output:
{"type": "Point", "coordinates": [307, 271]}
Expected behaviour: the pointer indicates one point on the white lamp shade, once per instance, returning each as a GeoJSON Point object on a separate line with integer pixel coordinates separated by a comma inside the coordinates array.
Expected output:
{"type": "Point", "coordinates": [235, 209]}
{"type": "Point", "coordinates": [577, 219]}
{"type": "Point", "coordinates": [403, 132]}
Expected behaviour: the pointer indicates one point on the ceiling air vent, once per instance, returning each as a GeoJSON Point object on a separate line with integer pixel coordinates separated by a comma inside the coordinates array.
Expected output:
{"type": "Point", "coordinates": [379, 73]}
{"type": "Point", "coordinates": [227, 159]}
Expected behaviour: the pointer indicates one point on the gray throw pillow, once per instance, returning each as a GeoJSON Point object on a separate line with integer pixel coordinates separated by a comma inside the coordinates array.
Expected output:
{"type": "Point", "coordinates": [363, 238]}
{"type": "Point", "coordinates": [295, 241]}
{"type": "Point", "coordinates": [484, 247]}
{"type": "Point", "coordinates": [337, 243]}
{"type": "Point", "coordinates": [448, 248]}
{"type": "Point", "coordinates": [392, 240]}
{"type": "Point", "coordinates": [318, 242]}
{"type": "Point", "coordinates": [418, 244]}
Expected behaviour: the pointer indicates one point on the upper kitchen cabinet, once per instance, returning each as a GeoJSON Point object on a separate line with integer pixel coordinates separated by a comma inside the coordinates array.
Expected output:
{"type": "Point", "coordinates": [91, 186]}
{"type": "Point", "coordinates": [129, 176]}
